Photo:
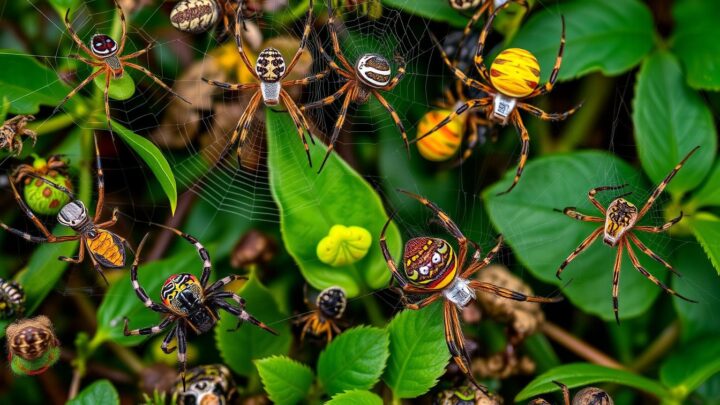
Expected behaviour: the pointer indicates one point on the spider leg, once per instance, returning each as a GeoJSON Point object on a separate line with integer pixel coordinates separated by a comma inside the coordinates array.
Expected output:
{"type": "Point", "coordinates": [155, 79]}
{"type": "Point", "coordinates": [106, 98]}
{"type": "Point", "coordinates": [247, 121]}
{"type": "Point", "coordinates": [398, 76]}
{"type": "Point", "coordinates": [459, 73]}
{"type": "Point", "coordinates": [472, 140]}
{"type": "Point", "coordinates": [456, 343]}
{"type": "Point", "coordinates": [395, 118]}
{"type": "Point", "coordinates": [112, 221]}
{"type": "Point", "coordinates": [584, 245]}
{"type": "Point", "coordinates": [469, 104]}
{"type": "Point", "coordinates": [238, 41]}
{"type": "Point", "coordinates": [510, 294]}
{"type": "Point", "coordinates": [388, 256]}
{"type": "Point", "coordinates": [524, 149]}
{"type": "Point", "coordinates": [548, 116]}
{"type": "Point", "coordinates": [572, 213]}
{"type": "Point", "coordinates": [47, 236]}
{"type": "Point", "coordinates": [334, 38]}
{"type": "Point", "coordinates": [182, 349]}
{"type": "Point", "coordinates": [101, 179]}
{"type": "Point", "coordinates": [139, 290]}
{"type": "Point", "coordinates": [138, 53]}
{"type": "Point", "coordinates": [662, 228]}
{"type": "Point", "coordinates": [306, 80]}
{"type": "Point", "coordinates": [655, 280]}
{"type": "Point", "coordinates": [239, 312]}
{"type": "Point", "coordinates": [76, 260]}
{"type": "Point", "coordinates": [468, 28]}
{"type": "Point", "coordinates": [478, 264]}
{"type": "Point", "coordinates": [616, 281]}
{"type": "Point", "coordinates": [98, 268]}
{"type": "Point", "coordinates": [329, 99]}
{"type": "Point", "coordinates": [303, 40]}
{"type": "Point", "coordinates": [86, 60]}
{"type": "Point", "coordinates": [218, 285]}
{"type": "Point", "coordinates": [556, 68]}
{"type": "Point", "coordinates": [74, 36]}
{"type": "Point", "coordinates": [594, 191]}
{"type": "Point", "coordinates": [339, 123]}
{"type": "Point", "coordinates": [290, 104]}
{"type": "Point", "coordinates": [652, 254]}
{"type": "Point", "coordinates": [231, 86]}
{"type": "Point", "coordinates": [303, 119]}
{"type": "Point", "coordinates": [481, 43]}
{"type": "Point", "coordinates": [305, 328]}
{"type": "Point", "coordinates": [202, 252]}
{"type": "Point", "coordinates": [147, 331]}
{"type": "Point", "coordinates": [424, 302]}
{"type": "Point", "coordinates": [80, 86]}
{"type": "Point", "coordinates": [329, 60]}
{"type": "Point", "coordinates": [664, 183]}
{"type": "Point", "coordinates": [166, 341]}
{"type": "Point", "coordinates": [123, 28]}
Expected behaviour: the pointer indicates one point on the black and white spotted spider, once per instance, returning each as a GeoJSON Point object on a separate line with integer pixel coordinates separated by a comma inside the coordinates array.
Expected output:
{"type": "Point", "coordinates": [189, 303]}
{"type": "Point", "coordinates": [107, 56]}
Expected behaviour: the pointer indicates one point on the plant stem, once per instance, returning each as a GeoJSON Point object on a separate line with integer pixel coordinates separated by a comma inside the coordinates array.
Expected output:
{"type": "Point", "coordinates": [594, 94]}
{"type": "Point", "coordinates": [373, 310]}
{"type": "Point", "coordinates": [51, 125]}
{"type": "Point", "coordinates": [396, 400]}
{"type": "Point", "coordinates": [578, 346]}
{"type": "Point", "coordinates": [129, 358]}
{"type": "Point", "coordinates": [657, 348]}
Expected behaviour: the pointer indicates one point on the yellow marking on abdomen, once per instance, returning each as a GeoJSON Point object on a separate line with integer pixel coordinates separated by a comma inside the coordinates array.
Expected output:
{"type": "Point", "coordinates": [443, 143]}
{"type": "Point", "coordinates": [515, 72]}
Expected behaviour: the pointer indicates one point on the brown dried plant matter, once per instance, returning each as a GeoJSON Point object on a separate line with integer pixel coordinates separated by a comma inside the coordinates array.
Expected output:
{"type": "Point", "coordinates": [11, 132]}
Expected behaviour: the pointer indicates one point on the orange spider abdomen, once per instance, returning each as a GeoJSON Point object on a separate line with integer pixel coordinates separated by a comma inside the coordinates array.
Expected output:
{"type": "Point", "coordinates": [515, 72]}
{"type": "Point", "coordinates": [443, 143]}
{"type": "Point", "coordinates": [430, 263]}
{"type": "Point", "coordinates": [107, 249]}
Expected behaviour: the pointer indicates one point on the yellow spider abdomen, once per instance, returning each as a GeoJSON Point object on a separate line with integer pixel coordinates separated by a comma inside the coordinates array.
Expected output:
{"type": "Point", "coordinates": [515, 72]}
{"type": "Point", "coordinates": [443, 143]}
{"type": "Point", "coordinates": [106, 249]}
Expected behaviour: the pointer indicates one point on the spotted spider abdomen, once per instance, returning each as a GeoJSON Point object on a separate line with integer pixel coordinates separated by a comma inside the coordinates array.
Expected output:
{"type": "Point", "coordinates": [462, 5]}
{"type": "Point", "coordinates": [31, 338]}
{"type": "Point", "coordinates": [430, 263]}
{"type": "Point", "coordinates": [12, 299]}
{"type": "Point", "coordinates": [332, 302]}
{"type": "Point", "coordinates": [373, 70]}
{"type": "Point", "coordinates": [194, 16]}
{"type": "Point", "coordinates": [515, 72]}
{"type": "Point", "coordinates": [270, 65]}
{"type": "Point", "coordinates": [103, 46]}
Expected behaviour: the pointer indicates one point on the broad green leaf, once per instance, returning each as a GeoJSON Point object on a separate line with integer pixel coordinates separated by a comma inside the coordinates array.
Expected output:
{"type": "Point", "coordinates": [120, 89]}
{"type": "Point", "coordinates": [121, 302]}
{"type": "Point", "coordinates": [699, 282]}
{"type": "Point", "coordinates": [62, 5]}
{"type": "Point", "coordinates": [582, 374]}
{"type": "Point", "coordinates": [606, 36]}
{"type": "Point", "coordinates": [154, 158]}
{"type": "Point", "coordinates": [670, 120]}
{"type": "Point", "coordinates": [693, 41]}
{"type": "Point", "coordinates": [99, 392]}
{"type": "Point", "coordinates": [311, 203]}
{"type": "Point", "coordinates": [430, 9]}
{"type": "Point", "coordinates": [542, 238]}
{"type": "Point", "coordinates": [239, 348]}
{"type": "Point", "coordinates": [709, 191]}
{"type": "Point", "coordinates": [418, 351]}
{"type": "Point", "coordinates": [688, 368]}
{"type": "Point", "coordinates": [354, 360]}
{"type": "Point", "coordinates": [29, 84]}
{"type": "Point", "coordinates": [285, 380]}
{"type": "Point", "coordinates": [355, 397]}
{"type": "Point", "coordinates": [706, 228]}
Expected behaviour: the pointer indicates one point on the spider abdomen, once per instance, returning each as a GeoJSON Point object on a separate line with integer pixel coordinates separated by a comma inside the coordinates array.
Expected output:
{"type": "Point", "coordinates": [430, 263]}
{"type": "Point", "coordinates": [12, 299]}
{"type": "Point", "coordinates": [515, 72]}
{"type": "Point", "coordinates": [103, 46]}
{"type": "Point", "coordinates": [462, 5]}
{"type": "Point", "coordinates": [620, 217]}
{"type": "Point", "coordinates": [194, 16]}
{"type": "Point", "coordinates": [332, 302]}
{"type": "Point", "coordinates": [373, 70]}
{"type": "Point", "coordinates": [107, 248]}
{"type": "Point", "coordinates": [270, 65]}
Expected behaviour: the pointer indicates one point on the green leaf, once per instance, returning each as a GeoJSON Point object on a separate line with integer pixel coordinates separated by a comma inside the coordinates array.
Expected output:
{"type": "Point", "coordinates": [99, 392]}
{"type": "Point", "coordinates": [709, 192]}
{"type": "Point", "coordinates": [311, 203]}
{"type": "Point", "coordinates": [693, 41]}
{"type": "Point", "coordinates": [430, 9]}
{"type": "Point", "coordinates": [606, 36]}
{"type": "Point", "coordinates": [121, 302]}
{"type": "Point", "coordinates": [239, 348]}
{"type": "Point", "coordinates": [120, 89]}
{"type": "Point", "coordinates": [699, 282]}
{"type": "Point", "coordinates": [62, 5]}
{"type": "Point", "coordinates": [285, 380]}
{"type": "Point", "coordinates": [154, 158]}
{"type": "Point", "coordinates": [670, 120]}
{"type": "Point", "coordinates": [542, 238]}
{"type": "Point", "coordinates": [29, 84]}
{"type": "Point", "coordinates": [689, 367]}
{"type": "Point", "coordinates": [355, 360]}
{"type": "Point", "coordinates": [355, 397]}
{"type": "Point", "coordinates": [582, 374]}
{"type": "Point", "coordinates": [418, 351]}
{"type": "Point", "coordinates": [706, 228]}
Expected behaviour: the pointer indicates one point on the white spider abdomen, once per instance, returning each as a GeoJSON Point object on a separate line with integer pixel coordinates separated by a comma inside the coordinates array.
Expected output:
{"type": "Point", "coordinates": [270, 65]}
{"type": "Point", "coordinates": [503, 106]}
{"type": "Point", "coordinates": [194, 16]}
{"type": "Point", "coordinates": [459, 292]}
{"type": "Point", "coordinates": [270, 92]}
{"type": "Point", "coordinates": [373, 70]}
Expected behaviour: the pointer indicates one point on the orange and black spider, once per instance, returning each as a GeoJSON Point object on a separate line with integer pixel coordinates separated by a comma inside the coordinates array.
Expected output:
{"type": "Point", "coordinates": [514, 76]}
{"type": "Point", "coordinates": [189, 303]}
{"type": "Point", "coordinates": [107, 249]}
{"type": "Point", "coordinates": [621, 218]}
{"type": "Point", "coordinates": [432, 268]}
{"type": "Point", "coordinates": [107, 56]}
{"type": "Point", "coordinates": [367, 77]}
{"type": "Point", "coordinates": [270, 70]}
{"type": "Point", "coordinates": [329, 307]}
{"type": "Point", "coordinates": [586, 396]}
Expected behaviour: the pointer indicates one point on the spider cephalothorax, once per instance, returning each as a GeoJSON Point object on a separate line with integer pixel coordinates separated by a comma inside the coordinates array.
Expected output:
{"type": "Point", "coordinates": [621, 216]}
{"type": "Point", "coordinates": [329, 307]}
{"type": "Point", "coordinates": [430, 262]}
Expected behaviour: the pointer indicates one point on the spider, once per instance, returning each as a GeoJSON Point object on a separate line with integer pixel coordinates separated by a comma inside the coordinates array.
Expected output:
{"type": "Point", "coordinates": [107, 249]}
{"type": "Point", "coordinates": [586, 396]}
{"type": "Point", "coordinates": [196, 16]}
{"type": "Point", "coordinates": [513, 77]}
{"type": "Point", "coordinates": [270, 70]}
{"type": "Point", "coordinates": [329, 307]}
{"type": "Point", "coordinates": [106, 56]}
{"type": "Point", "coordinates": [370, 74]}
{"type": "Point", "coordinates": [432, 268]}
{"type": "Point", "coordinates": [621, 218]}
{"type": "Point", "coordinates": [11, 131]}
{"type": "Point", "coordinates": [189, 303]}
{"type": "Point", "coordinates": [51, 167]}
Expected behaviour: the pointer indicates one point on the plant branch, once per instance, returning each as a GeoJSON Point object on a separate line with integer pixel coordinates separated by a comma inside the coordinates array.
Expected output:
{"type": "Point", "coordinates": [577, 346]}
{"type": "Point", "coordinates": [657, 348]}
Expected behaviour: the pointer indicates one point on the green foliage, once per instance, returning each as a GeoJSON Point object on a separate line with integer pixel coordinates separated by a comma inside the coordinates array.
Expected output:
{"type": "Point", "coordinates": [285, 380]}
{"type": "Point", "coordinates": [431, 9]}
{"type": "Point", "coordinates": [690, 366]}
{"type": "Point", "coordinates": [699, 282]}
{"type": "Point", "coordinates": [418, 351]}
{"type": "Point", "coordinates": [356, 397]}
{"type": "Point", "coordinates": [706, 228]}
{"type": "Point", "coordinates": [354, 360]}
{"type": "Point", "coordinates": [708, 194]}
{"type": "Point", "coordinates": [311, 203]}
{"type": "Point", "coordinates": [120, 89]}
{"type": "Point", "coordinates": [694, 43]}
{"type": "Point", "coordinates": [99, 392]}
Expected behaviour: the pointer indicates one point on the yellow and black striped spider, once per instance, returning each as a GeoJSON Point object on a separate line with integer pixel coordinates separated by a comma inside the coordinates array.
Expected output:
{"type": "Point", "coordinates": [107, 56]}
{"type": "Point", "coordinates": [514, 76]}
{"type": "Point", "coordinates": [432, 268]}
{"type": "Point", "coordinates": [367, 77]}
{"type": "Point", "coordinates": [107, 249]}
{"type": "Point", "coordinates": [189, 303]}
{"type": "Point", "coordinates": [270, 70]}
{"type": "Point", "coordinates": [621, 218]}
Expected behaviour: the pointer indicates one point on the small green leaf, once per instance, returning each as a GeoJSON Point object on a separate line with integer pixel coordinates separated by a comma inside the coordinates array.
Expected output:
{"type": "Point", "coordinates": [542, 238]}
{"type": "Point", "coordinates": [285, 380]}
{"type": "Point", "coordinates": [240, 347]}
{"type": "Point", "coordinates": [709, 192]}
{"type": "Point", "coordinates": [670, 120]}
{"type": "Point", "coordinates": [355, 397]}
{"type": "Point", "coordinates": [606, 36]}
{"type": "Point", "coordinates": [690, 366]}
{"type": "Point", "coordinates": [430, 9]}
{"type": "Point", "coordinates": [699, 282]}
{"type": "Point", "coordinates": [693, 41]}
{"type": "Point", "coordinates": [418, 351]}
{"type": "Point", "coordinates": [311, 203]}
{"type": "Point", "coordinates": [582, 374]}
{"type": "Point", "coordinates": [120, 89]}
{"type": "Point", "coordinates": [154, 158]}
{"type": "Point", "coordinates": [706, 228]}
{"type": "Point", "coordinates": [99, 392]}
{"type": "Point", "coordinates": [355, 360]}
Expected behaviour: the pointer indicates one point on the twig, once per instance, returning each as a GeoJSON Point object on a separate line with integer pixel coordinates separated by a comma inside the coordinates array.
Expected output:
{"type": "Point", "coordinates": [127, 357]}
{"type": "Point", "coordinates": [578, 346]}
{"type": "Point", "coordinates": [658, 348]}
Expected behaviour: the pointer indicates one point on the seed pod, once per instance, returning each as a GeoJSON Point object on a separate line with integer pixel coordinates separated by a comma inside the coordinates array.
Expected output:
{"type": "Point", "coordinates": [592, 396]}
{"type": "Point", "coordinates": [194, 16]}
{"type": "Point", "coordinates": [32, 344]}
{"type": "Point", "coordinates": [12, 299]}
{"type": "Point", "coordinates": [45, 199]}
